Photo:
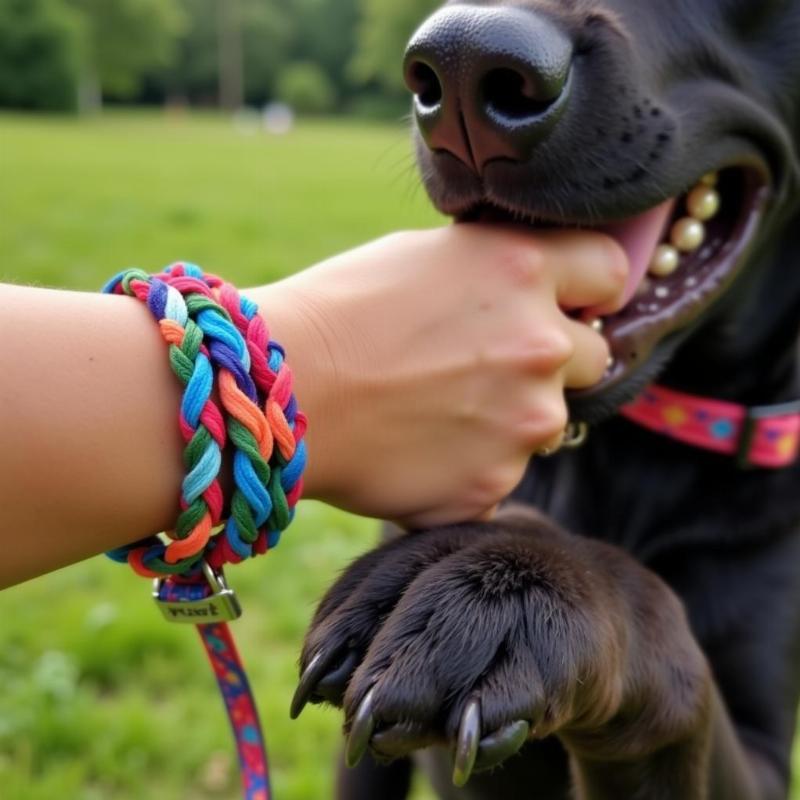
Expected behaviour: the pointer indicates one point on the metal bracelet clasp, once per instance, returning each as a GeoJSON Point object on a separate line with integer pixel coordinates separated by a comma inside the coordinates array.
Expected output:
{"type": "Point", "coordinates": [221, 605]}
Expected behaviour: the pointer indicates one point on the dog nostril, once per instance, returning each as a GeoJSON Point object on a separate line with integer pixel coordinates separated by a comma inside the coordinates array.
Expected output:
{"type": "Point", "coordinates": [425, 84]}
{"type": "Point", "coordinates": [510, 94]}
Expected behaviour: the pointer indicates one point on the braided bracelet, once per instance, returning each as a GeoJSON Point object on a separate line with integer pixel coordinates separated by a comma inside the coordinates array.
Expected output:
{"type": "Point", "coordinates": [217, 339]}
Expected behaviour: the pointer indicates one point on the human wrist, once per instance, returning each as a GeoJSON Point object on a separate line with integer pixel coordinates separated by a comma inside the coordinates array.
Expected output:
{"type": "Point", "coordinates": [218, 340]}
{"type": "Point", "coordinates": [302, 327]}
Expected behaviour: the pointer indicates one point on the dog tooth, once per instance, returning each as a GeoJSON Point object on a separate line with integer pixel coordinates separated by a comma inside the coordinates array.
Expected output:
{"type": "Point", "coordinates": [597, 325]}
{"type": "Point", "coordinates": [688, 234]}
{"type": "Point", "coordinates": [666, 261]}
{"type": "Point", "coordinates": [662, 293]}
{"type": "Point", "coordinates": [710, 179]}
{"type": "Point", "coordinates": [703, 203]}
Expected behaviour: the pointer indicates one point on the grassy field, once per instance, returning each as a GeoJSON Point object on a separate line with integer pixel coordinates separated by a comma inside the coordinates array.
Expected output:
{"type": "Point", "coordinates": [99, 698]}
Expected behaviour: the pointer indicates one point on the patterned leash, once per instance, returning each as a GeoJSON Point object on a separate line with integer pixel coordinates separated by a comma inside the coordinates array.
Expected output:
{"type": "Point", "coordinates": [189, 601]}
{"type": "Point", "coordinates": [219, 343]}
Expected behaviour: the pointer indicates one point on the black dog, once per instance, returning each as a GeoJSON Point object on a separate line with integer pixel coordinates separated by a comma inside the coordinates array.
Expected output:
{"type": "Point", "coordinates": [642, 640]}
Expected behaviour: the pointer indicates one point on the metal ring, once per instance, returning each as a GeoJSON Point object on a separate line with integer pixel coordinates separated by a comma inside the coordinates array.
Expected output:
{"type": "Point", "coordinates": [576, 435]}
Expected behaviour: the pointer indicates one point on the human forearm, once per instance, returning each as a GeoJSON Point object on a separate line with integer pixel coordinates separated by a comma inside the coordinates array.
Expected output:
{"type": "Point", "coordinates": [88, 424]}
{"type": "Point", "coordinates": [431, 365]}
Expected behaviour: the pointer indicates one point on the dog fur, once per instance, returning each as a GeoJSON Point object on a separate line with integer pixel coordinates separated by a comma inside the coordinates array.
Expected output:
{"type": "Point", "coordinates": [640, 602]}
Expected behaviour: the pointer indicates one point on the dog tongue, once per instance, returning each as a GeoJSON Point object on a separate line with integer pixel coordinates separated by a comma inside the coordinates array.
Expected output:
{"type": "Point", "coordinates": [639, 237]}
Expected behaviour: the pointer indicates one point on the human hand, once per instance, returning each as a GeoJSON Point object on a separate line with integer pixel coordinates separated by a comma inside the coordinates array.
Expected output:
{"type": "Point", "coordinates": [432, 364]}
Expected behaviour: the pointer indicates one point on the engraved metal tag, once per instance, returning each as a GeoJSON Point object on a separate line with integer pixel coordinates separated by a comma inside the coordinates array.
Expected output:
{"type": "Point", "coordinates": [220, 606]}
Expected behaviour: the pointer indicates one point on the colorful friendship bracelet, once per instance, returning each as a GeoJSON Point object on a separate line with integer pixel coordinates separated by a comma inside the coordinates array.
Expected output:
{"type": "Point", "coordinates": [217, 339]}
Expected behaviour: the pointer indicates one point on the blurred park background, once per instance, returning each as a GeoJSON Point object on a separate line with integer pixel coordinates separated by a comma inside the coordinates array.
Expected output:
{"type": "Point", "coordinates": [319, 56]}
{"type": "Point", "coordinates": [134, 133]}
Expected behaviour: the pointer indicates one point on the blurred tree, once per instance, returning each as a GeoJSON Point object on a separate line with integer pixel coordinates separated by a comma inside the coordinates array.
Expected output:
{"type": "Point", "coordinates": [325, 33]}
{"type": "Point", "coordinates": [385, 27]}
{"type": "Point", "coordinates": [231, 55]}
{"type": "Point", "coordinates": [40, 47]}
{"type": "Point", "coordinates": [266, 28]}
{"type": "Point", "coordinates": [125, 40]}
{"type": "Point", "coordinates": [207, 51]}
{"type": "Point", "coordinates": [306, 87]}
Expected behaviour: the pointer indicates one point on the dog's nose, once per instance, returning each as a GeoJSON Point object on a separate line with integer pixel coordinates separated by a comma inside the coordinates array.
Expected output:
{"type": "Point", "coordinates": [488, 82]}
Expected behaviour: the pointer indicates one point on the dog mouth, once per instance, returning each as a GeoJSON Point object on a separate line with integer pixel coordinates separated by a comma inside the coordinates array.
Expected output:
{"type": "Point", "coordinates": [683, 254]}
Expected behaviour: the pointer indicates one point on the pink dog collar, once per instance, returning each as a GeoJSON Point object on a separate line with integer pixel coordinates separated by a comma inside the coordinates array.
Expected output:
{"type": "Point", "coordinates": [763, 436]}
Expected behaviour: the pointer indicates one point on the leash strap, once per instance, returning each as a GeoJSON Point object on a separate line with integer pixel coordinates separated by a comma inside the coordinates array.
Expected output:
{"type": "Point", "coordinates": [189, 601]}
{"type": "Point", "coordinates": [240, 705]}
{"type": "Point", "coordinates": [761, 436]}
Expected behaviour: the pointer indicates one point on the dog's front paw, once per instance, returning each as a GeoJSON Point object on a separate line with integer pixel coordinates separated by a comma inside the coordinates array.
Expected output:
{"type": "Point", "coordinates": [479, 637]}
{"type": "Point", "coordinates": [356, 606]}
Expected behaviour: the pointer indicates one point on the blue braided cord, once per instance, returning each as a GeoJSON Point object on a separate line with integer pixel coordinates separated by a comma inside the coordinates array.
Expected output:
{"type": "Point", "coordinates": [157, 298]}
{"type": "Point", "coordinates": [223, 357]}
{"type": "Point", "coordinates": [239, 546]}
{"type": "Point", "coordinates": [198, 390]}
{"type": "Point", "coordinates": [120, 554]}
{"type": "Point", "coordinates": [294, 469]}
{"type": "Point", "coordinates": [191, 269]}
{"type": "Point", "coordinates": [216, 327]}
{"type": "Point", "coordinates": [291, 411]}
{"type": "Point", "coordinates": [248, 307]}
{"type": "Point", "coordinates": [203, 474]}
{"type": "Point", "coordinates": [111, 284]}
{"type": "Point", "coordinates": [274, 537]}
{"type": "Point", "coordinates": [252, 488]}
{"type": "Point", "coordinates": [276, 357]}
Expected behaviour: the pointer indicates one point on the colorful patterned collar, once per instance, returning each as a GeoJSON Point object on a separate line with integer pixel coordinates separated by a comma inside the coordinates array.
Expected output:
{"type": "Point", "coordinates": [765, 436]}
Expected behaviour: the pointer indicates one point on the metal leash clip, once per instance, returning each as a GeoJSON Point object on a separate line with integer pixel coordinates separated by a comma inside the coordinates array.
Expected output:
{"type": "Point", "coordinates": [192, 604]}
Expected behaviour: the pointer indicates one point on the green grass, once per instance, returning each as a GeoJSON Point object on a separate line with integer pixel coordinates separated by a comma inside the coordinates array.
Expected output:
{"type": "Point", "coordinates": [99, 698]}
{"type": "Point", "coordinates": [78, 199]}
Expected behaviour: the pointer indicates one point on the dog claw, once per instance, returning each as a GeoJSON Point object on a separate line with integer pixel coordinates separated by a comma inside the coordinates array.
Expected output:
{"type": "Point", "coordinates": [400, 740]}
{"type": "Point", "coordinates": [500, 745]}
{"type": "Point", "coordinates": [360, 732]}
{"type": "Point", "coordinates": [332, 686]}
{"type": "Point", "coordinates": [312, 674]}
{"type": "Point", "coordinates": [469, 735]}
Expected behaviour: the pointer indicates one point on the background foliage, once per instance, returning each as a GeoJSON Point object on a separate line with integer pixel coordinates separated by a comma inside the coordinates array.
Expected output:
{"type": "Point", "coordinates": [40, 54]}
{"type": "Point", "coordinates": [67, 54]}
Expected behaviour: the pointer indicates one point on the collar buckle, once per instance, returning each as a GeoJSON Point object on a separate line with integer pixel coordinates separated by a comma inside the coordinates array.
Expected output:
{"type": "Point", "coordinates": [753, 418]}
